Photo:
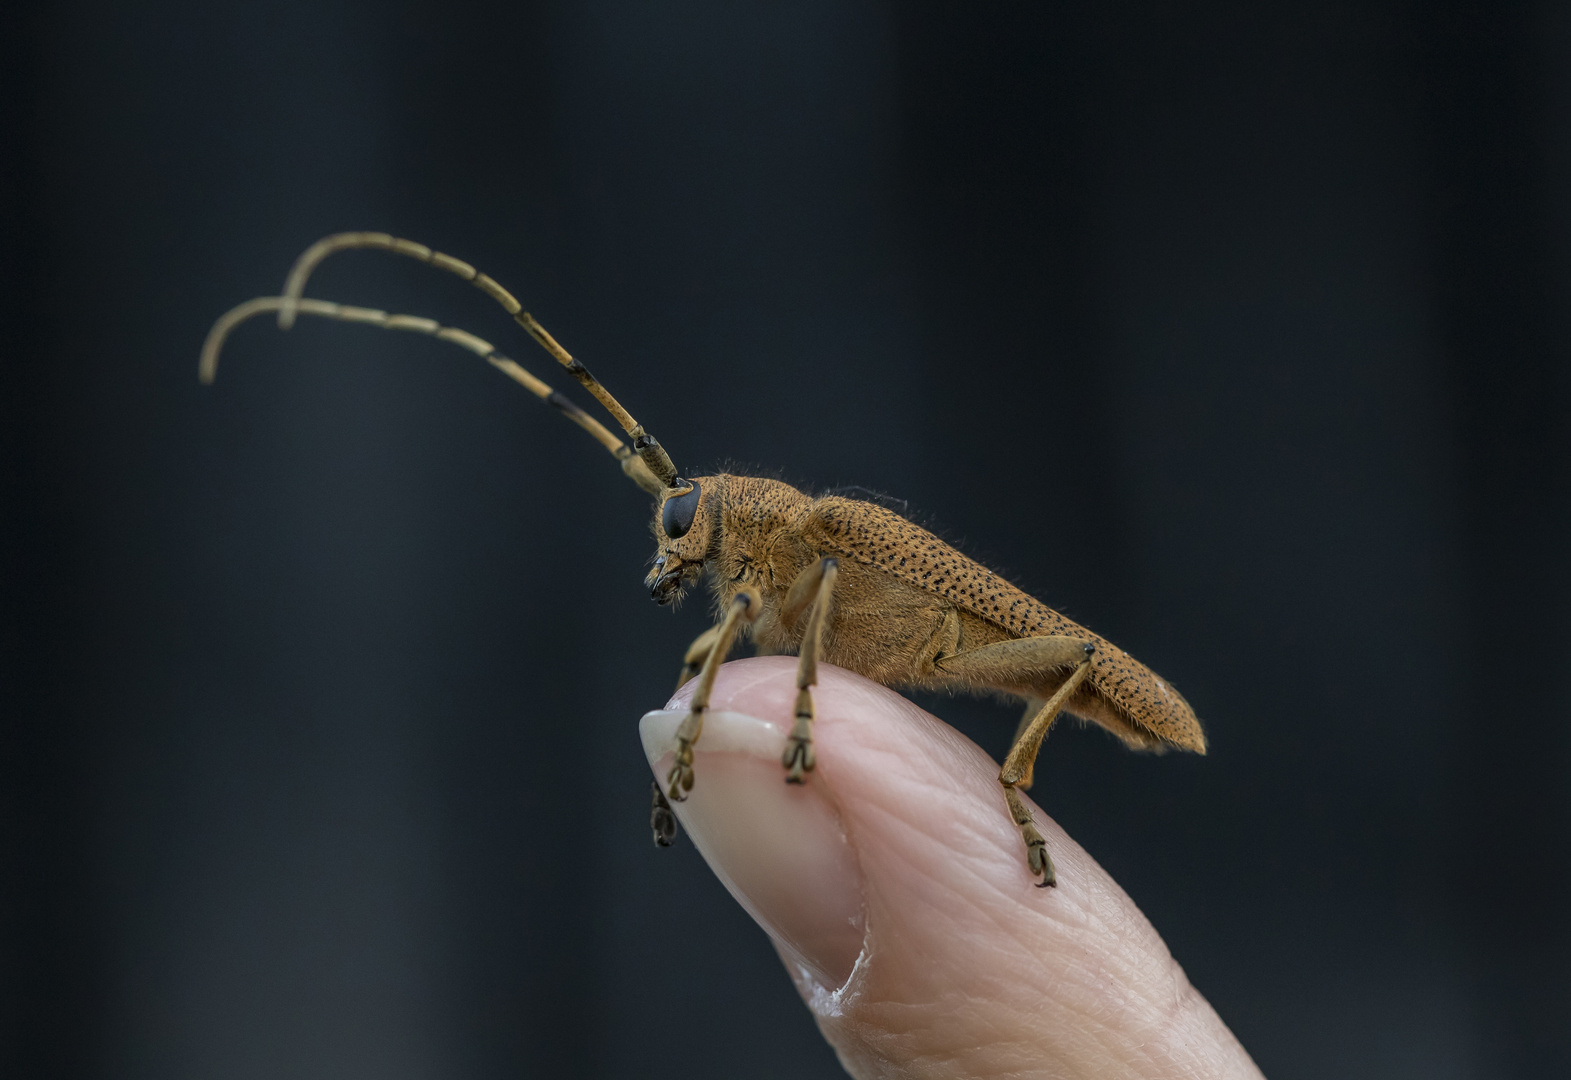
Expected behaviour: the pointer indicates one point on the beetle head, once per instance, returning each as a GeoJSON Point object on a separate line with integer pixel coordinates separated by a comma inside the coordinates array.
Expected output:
{"type": "Point", "coordinates": [684, 527]}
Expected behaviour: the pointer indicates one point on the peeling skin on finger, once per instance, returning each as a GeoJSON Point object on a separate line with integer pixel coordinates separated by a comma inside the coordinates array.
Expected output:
{"type": "Point", "coordinates": [895, 887]}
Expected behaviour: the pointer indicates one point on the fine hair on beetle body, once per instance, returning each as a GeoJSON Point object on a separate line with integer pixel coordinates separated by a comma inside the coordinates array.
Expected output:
{"type": "Point", "coordinates": [841, 577]}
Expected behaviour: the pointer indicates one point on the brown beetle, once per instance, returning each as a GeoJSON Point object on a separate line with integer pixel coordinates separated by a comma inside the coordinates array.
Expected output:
{"type": "Point", "coordinates": [833, 578]}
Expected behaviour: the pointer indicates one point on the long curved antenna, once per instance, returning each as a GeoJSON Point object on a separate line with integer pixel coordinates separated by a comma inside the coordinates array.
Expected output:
{"type": "Point", "coordinates": [207, 368]}
{"type": "Point", "coordinates": [647, 446]}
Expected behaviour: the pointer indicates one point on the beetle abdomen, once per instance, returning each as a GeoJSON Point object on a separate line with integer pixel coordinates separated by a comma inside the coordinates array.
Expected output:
{"type": "Point", "coordinates": [873, 536]}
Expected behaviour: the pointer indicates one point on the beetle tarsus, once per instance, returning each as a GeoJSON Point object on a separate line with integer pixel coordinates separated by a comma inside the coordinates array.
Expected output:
{"type": "Point", "coordinates": [798, 757]}
{"type": "Point", "coordinates": [680, 778]}
{"type": "Point", "coordinates": [662, 820]}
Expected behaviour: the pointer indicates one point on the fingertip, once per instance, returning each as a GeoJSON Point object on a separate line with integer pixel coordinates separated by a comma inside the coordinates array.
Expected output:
{"type": "Point", "coordinates": [902, 901]}
{"type": "Point", "coordinates": [779, 848]}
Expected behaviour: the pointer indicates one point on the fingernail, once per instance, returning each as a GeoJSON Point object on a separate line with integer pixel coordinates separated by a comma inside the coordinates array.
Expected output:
{"type": "Point", "coordinates": [779, 848]}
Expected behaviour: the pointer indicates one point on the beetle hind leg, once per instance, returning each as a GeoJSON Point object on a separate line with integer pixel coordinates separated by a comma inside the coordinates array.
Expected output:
{"type": "Point", "coordinates": [1038, 860]}
{"type": "Point", "coordinates": [1012, 663]}
{"type": "Point", "coordinates": [1020, 765]}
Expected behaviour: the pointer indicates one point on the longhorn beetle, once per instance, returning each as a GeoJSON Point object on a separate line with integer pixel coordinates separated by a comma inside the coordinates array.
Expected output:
{"type": "Point", "coordinates": [830, 578]}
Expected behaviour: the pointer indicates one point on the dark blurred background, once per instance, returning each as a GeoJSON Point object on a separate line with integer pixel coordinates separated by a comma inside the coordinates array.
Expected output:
{"type": "Point", "coordinates": [1238, 332]}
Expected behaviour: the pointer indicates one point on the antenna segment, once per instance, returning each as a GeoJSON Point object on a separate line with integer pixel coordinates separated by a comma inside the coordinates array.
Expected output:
{"type": "Point", "coordinates": [633, 465]}
{"type": "Point", "coordinates": [647, 446]}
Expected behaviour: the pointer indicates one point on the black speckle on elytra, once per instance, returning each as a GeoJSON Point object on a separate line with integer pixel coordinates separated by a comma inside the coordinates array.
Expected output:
{"type": "Point", "coordinates": [878, 537]}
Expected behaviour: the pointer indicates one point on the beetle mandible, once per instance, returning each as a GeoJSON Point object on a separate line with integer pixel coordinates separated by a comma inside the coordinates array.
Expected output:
{"type": "Point", "coordinates": [830, 578]}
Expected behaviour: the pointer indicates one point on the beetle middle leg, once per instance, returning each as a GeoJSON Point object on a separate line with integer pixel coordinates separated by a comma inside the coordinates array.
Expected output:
{"type": "Point", "coordinates": [1026, 660]}
{"type": "Point", "coordinates": [817, 583]}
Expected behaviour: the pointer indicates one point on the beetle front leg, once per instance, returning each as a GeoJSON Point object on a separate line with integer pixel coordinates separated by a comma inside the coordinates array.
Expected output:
{"type": "Point", "coordinates": [697, 653]}
{"type": "Point", "coordinates": [744, 607]}
{"type": "Point", "coordinates": [662, 819]}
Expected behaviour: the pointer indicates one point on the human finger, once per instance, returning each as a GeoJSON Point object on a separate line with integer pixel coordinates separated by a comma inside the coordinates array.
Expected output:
{"type": "Point", "coordinates": [895, 888]}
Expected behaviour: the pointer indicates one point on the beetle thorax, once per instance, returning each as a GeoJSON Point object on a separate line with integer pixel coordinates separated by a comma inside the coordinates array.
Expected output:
{"type": "Point", "coordinates": [759, 541]}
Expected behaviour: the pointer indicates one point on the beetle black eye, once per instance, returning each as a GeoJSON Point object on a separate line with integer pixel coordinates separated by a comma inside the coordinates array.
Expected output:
{"type": "Point", "coordinates": [677, 517]}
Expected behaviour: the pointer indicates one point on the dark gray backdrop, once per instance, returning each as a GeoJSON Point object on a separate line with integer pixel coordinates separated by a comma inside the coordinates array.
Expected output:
{"type": "Point", "coordinates": [1239, 333]}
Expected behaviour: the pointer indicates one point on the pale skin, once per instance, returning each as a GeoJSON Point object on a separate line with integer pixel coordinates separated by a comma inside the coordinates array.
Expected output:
{"type": "Point", "coordinates": [895, 893]}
